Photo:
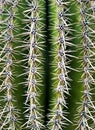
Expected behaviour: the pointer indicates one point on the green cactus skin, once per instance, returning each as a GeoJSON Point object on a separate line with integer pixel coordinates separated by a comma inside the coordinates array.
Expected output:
{"type": "Point", "coordinates": [87, 107]}
{"type": "Point", "coordinates": [34, 42]}
{"type": "Point", "coordinates": [60, 28]}
{"type": "Point", "coordinates": [8, 112]}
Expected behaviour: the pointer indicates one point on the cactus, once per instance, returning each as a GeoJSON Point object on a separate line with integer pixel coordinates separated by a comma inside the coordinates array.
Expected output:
{"type": "Point", "coordinates": [47, 65]}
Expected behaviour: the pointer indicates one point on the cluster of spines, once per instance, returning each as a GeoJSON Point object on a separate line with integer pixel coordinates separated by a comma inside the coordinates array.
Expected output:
{"type": "Point", "coordinates": [92, 5]}
{"type": "Point", "coordinates": [34, 39]}
{"type": "Point", "coordinates": [87, 108]}
{"type": "Point", "coordinates": [1, 7]}
{"type": "Point", "coordinates": [8, 119]}
{"type": "Point", "coordinates": [58, 119]}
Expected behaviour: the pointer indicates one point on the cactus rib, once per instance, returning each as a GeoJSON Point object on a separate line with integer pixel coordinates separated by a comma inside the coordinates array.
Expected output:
{"type": "Point", "coordinates": [62, 28]}
{"type": "Point", "coordinates": [87, 107]}
{"type": "Point", "coordinates": [8, 114]}
{"type": "Point", "coordinates": [33, 20]}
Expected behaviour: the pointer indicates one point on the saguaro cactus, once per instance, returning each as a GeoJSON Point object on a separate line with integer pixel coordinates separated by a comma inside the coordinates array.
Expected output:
{"type": "Point", "coordinates": [24, 46]}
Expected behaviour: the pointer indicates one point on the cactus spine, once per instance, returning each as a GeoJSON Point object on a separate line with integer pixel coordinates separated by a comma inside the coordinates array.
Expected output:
{"type": "Point", "coordinates": [8, 115]}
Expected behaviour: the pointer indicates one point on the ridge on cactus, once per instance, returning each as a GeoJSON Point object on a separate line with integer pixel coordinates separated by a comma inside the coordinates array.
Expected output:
{"type": "Point", "coordinates": [8, 112]}
{"type": "Point", "coordinates": [60, 53]}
